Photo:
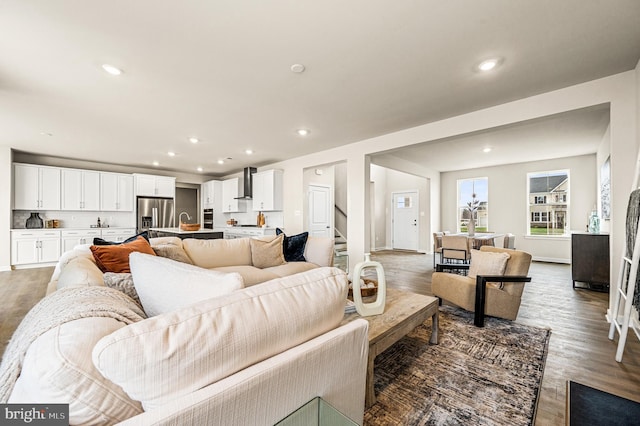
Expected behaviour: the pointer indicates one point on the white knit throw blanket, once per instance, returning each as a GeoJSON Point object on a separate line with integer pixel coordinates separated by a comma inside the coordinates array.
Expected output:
{"type": "Point", "coordinates": [62, 306]}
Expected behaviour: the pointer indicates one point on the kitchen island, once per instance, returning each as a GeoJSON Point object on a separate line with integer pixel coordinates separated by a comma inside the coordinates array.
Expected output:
{"type": "Point", "coordinates": [202, 234]}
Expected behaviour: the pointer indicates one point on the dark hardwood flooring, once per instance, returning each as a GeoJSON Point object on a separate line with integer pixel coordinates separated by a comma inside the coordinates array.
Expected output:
{"type": "Point", "coordinates": [579, 349]}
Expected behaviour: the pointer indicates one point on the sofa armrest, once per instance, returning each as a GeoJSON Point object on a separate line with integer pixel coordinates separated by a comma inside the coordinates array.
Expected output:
{"type": "Point", "coordinates": [319, 250]}
{"type": "Point", "coordinates": [332, 366]}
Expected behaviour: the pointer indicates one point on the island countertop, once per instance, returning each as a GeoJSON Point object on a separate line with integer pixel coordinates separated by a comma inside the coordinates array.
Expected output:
{"type": "Point", "coordinates": [180, 231]}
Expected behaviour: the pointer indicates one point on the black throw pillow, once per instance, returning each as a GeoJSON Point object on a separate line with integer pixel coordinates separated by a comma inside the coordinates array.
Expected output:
{"type": "Point", "coordinates": [293, 246]}
{"type": "Point", "coordinates": [100, 242]}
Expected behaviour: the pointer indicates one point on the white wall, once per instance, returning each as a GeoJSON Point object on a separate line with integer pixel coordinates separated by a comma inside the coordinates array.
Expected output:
{"type": "Point", "coordinates": [5, 207]}
{"type": "Point", "coordinates": [508, 201]}
{"type": "Point", "coordinates": [389, 181]}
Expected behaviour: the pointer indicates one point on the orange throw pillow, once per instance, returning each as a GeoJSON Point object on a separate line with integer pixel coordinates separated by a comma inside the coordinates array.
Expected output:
{"type": "Point", "coordinates": [116, 258]}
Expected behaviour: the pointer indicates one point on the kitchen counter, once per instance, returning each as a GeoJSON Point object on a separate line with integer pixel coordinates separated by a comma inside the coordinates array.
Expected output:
{"type": "Point", "coordinates": [202, 233]}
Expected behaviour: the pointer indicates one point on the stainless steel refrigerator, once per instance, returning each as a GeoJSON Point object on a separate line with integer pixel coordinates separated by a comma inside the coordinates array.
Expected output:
{"type": "Point", "coordinates": [155, 213]}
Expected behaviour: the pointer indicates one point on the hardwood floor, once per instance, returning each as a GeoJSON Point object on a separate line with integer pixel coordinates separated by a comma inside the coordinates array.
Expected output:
{"type": "Point", "coordinates": [579, 349]}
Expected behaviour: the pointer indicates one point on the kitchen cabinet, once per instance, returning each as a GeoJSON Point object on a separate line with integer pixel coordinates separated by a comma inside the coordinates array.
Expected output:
{"type": "Point", "coordinates": [80, 190]}
{"type": "Point", "coordinates": [72, 237]}
{"type": "Point", "coordinates": [117, 235]}
{"type": "Point", "coordinates": [116, 192]}
{"type": "Point", "coordinates": [155, 186]}
{"type": "Point", "coordinates": [35, 246]}
{"type": "Point", "coordinates": [230, 191]}
{"type": "Point", "coordinates": [267, 190]}
{"type": "Point", "coordinates": [36, 187]}
{"type": "Point", "coordinates": [210, 190]}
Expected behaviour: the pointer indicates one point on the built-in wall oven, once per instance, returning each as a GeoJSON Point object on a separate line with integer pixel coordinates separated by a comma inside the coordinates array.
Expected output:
{"type": "Point", "coordinates": [207, 219]}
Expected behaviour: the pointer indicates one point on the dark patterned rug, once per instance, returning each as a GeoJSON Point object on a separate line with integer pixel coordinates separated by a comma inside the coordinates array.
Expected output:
{"type": "Point", "coordinates": [474, 376]}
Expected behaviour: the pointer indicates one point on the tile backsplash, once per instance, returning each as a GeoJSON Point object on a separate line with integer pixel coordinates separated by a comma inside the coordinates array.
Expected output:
{"type": "Point", "coordinates": [77, 219]}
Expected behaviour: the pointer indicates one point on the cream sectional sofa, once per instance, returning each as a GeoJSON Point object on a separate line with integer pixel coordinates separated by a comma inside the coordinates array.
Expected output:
{"type": "Point", "coordinates": [249, 357]}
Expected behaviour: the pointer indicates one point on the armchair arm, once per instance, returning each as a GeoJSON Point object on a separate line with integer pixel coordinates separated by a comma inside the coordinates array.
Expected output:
{"type": "Point", "coordinates": [481, 292]}
{"type": "Point", "coordinates": [441, 267]}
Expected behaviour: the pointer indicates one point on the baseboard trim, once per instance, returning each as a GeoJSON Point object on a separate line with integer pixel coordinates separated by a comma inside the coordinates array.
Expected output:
{"type": "Point", "coordinates": [5, 268]}
{"type": "Point", "coordinates": [551, 259]}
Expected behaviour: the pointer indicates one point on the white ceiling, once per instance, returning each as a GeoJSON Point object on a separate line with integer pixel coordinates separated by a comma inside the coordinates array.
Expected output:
{"type": "Point", "coordinates": [219, 70]}
{"type": "Point", "coordinates": [569, 134]}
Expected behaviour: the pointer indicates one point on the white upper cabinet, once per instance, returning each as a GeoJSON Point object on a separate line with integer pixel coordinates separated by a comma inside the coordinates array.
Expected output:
{"type": "Point", "coordinates": [155, 186]}
{"type": "Point", "coordinates": [209, 193]}
{"type": "Point", "coordinates": [36, 187]}
{"type": "Point", "coordinates": [80, 189]}
{"type": "Point", "coordinates": [230, 191]}
{"type": "Point", "coordinates": [116, 192]}
{"type": "Point", "coordinates": [267, 190]}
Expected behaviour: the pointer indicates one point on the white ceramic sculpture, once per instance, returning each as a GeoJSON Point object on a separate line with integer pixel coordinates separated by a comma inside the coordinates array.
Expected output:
{"type": "Point", "coordinates": [376, 307]}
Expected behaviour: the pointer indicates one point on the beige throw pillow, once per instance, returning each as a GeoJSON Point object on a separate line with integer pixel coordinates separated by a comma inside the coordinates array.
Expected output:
{"type": "Point", "coordinates": [172, 252]}
{"type": "Point", "coordinates": [267, 252]}
{"type": "Point", "coordinates": [164, 285]}
{"type": "Point", "coordinates": [488, 263]}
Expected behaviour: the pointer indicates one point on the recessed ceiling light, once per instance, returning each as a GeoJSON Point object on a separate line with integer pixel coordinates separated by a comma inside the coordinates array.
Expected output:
{"type": "Point", "coordinates": [111, 69]}
{"type": "Point", "coordinates": [155, 163]}
{"type": "Point", "coordinates": [489, 64]}
{"type": "Point", "coordinates": [171, 154]}
{"type": "Point", "coordinates": [194, 140]}
{"type": "Point", "coordinates": [200, 169]}
{"type": "Point", "coordinates": [220, 161]}
{"type": "Point", "coordinates": [248, 151]}
{"type": "Point", "coordinates": [46, 134]}
{"type": "Point", "coordinates": [297, 68]}
{"type": "Point", "coordinates": [303, 132]}
{"type": "Point", "coordinates": [487, 149]}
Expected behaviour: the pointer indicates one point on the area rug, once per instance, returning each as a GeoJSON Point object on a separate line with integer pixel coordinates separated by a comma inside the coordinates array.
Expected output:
{"type": "Point", "coordinates": [474, 376]}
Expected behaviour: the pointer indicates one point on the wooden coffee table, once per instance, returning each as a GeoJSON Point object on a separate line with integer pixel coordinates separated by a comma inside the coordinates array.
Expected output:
{"type": "Point", "coordinates": [403, 312]}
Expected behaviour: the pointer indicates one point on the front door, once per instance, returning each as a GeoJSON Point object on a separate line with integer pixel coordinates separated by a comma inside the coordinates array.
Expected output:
{"type": "Point", "coordinates": [320, 223]}
{"type": "Point", "coordinates": [405, 220]}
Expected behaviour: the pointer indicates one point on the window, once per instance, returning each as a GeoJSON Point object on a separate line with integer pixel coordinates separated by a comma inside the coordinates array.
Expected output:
{"type": "Point", "coordinates": [548, 194]}
{"type": "Point", "coordinates": [473, 196]}
{"type": "Point", "coordinates": [404, 203]}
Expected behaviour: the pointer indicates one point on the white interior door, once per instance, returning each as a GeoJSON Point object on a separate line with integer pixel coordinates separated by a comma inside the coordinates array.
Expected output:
{"type": "Point", "coordinates": [320, 223]}
{"type": "Point", "coordinates": [405, 220]}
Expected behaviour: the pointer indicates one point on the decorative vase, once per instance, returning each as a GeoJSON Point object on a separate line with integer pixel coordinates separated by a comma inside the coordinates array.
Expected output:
{"type": "Point", "coordinates": [376, 307]}
{"type": "Point", "coordinates": [594, 223]}
{"type": "Point", "coordinates": [34, 221]}
{"type": "Point", "coordinates": [471, 227]}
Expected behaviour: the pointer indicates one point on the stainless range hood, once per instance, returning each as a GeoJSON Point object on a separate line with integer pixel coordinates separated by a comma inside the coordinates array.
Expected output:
{"type": "Point", "coordinates": [247, 175]}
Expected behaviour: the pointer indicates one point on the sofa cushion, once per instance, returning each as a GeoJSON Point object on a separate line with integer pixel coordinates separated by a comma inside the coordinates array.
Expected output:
{"type": "Point", "coordinates": [115, 258]}
{"type": "Point", "coordinates": [174, 354]}
{"type": "Point", "coordinates": [250, 274]}
{"type": "Point", "coordinates": [79, 272]}
{"type": "Point", "coordinates": [57, 368]}
{"type": "Point", "coordinates": [219, 252]}
{"type": "Point", "coordinates": [267, 251]}
{"type": "Point", "coordinates": [291, 268]}
{"type": "Point", "coordinates": [293, 246]}
{"type": "Point", "coordinates": [164, 285]}
{"type": "Point", "coordinates": [319, 250]}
